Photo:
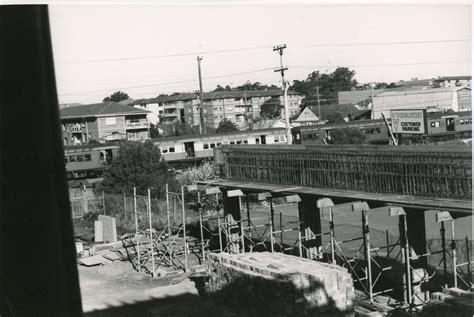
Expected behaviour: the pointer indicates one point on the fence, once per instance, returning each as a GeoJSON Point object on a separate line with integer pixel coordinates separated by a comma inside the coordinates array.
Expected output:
{"type": "Point", "coordinates": [442, 172]}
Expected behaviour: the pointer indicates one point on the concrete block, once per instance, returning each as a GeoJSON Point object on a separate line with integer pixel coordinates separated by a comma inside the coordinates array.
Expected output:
{"type": "Point", "coordinates": [98, 232]}
{"type": "Point", "coordinates": [109, 228]}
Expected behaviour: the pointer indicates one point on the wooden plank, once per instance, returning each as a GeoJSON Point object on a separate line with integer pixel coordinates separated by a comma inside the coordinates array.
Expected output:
{"type": "Point", "coordinates": [423, 203]}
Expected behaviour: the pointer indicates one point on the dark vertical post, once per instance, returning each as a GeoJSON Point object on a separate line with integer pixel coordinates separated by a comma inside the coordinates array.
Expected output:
{"type": "Point", "coordinates": [33, 189]}
{"type": "Point", "coordinates": [417, 233]}
{"type": "Point", "coordinates": [443, 245]}
{"type": "Point", "coordinates": [311, 224]}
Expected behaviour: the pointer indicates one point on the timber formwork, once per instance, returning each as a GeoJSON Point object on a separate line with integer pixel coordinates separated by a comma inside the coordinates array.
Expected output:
{"type": "Point", "coordinates": [422, 171]}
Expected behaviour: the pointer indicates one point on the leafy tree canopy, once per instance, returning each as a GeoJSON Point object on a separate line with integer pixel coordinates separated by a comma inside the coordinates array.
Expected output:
{"type": "Point", "coordinates": [226, 126]}
{"type": "Point", "coordinates": [347, 136]}
{"type": "Point", "coordinates": [271, 108]}
{"type": "Point", "coordinates": [183, 129]}
{"type": "Point", "coordinates": [137, 165]}
{"type": "Point", "coordinates": [334, 117]}
{"type": "Point", "coordinates": [248, 85]}
{"type": "Point", "coordinates": [116, 97]}
{"type": "Point", "coordinates": [341, 79]}
{"type": "Point", "coordinates": [154, 132]}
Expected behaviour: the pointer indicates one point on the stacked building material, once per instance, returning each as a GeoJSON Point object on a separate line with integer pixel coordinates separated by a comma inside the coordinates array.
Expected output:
{"type": "Point", "coordinates": [278, 284]}
{"type": "Point", "coordinates": [451, 302]}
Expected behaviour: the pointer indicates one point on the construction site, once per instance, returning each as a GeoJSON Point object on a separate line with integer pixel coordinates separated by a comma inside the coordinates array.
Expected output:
{"type": "Point", "coordinates": [224, 248]}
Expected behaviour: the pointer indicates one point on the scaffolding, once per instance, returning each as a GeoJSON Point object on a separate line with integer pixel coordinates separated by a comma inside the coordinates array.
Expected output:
{"type": "Point", "coordinates": [149, 250]}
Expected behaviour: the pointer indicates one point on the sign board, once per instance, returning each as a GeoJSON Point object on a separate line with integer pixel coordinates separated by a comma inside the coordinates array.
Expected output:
{"type": "Point", "coordinates": [409, 121]}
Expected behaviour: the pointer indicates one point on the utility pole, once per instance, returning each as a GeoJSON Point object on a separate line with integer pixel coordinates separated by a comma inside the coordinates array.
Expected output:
{"type": "Point", "coordinates": [284, 87]}
{"type": "Point", "coordinates": [202, 126]}
{"type": "Point", "coordinates": [319, 103]}
{"type": "Point", "coordinates": [372, 96]}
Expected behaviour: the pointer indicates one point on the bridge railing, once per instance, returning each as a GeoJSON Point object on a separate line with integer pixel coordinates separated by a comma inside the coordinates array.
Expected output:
{"type": "Point", "coordinates": [425, 171]}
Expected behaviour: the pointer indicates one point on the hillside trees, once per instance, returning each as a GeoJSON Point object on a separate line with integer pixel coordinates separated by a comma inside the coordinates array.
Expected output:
{"type": "Point", "coordinates": [116, 97]}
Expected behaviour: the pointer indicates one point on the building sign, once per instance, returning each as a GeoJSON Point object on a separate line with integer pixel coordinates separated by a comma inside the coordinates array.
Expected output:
{"type": "Point", "coordinates": [408, 121]}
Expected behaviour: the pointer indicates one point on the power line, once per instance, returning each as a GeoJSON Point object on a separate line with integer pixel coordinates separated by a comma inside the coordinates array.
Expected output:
{"type": "Point", "coordinates": [378, 43]}
{"type": "Point", "coordinates": [253, 48]}
{"type": "Point", "coordinates": [164, 55]}
{"type": "Point", "coordinates": [169, 83]}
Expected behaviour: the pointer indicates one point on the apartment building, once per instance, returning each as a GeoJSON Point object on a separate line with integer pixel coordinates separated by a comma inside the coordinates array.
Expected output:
{"type": "Point", "coordinates": [453, 81]}
{"type": "Point", "coordinates": [103, 122]}
{"type": "Point", "coordinates": [240, 107]}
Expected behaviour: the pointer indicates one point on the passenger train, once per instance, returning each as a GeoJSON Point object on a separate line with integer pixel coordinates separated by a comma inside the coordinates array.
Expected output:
{"type": "Point", "coordinates": [440, 127]}
{"type": "Point", "coordinates": [89, 161]}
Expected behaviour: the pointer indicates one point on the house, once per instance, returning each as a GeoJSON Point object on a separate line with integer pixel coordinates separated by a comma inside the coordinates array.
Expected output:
{"type": "Point", "coordinates": [310, 114]}
{"type": "Point", "coordinates": [453, 81]}
{"type": "Point", "coordinates": [103, 122]}
{"type": "Point", "coordinates": [440, 99]}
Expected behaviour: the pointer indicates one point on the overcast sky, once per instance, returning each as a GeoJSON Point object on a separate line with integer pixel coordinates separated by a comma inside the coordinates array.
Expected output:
{"type": "Point", "coordinates": [99, 49]}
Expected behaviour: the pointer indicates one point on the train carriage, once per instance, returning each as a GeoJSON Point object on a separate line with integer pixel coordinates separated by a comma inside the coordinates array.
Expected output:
{"type": "Point", "coordinates": [88, 161]}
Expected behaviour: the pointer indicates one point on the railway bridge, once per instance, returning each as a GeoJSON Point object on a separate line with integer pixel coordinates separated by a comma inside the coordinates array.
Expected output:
{"type": "Point", "coordinates": [403, 183]}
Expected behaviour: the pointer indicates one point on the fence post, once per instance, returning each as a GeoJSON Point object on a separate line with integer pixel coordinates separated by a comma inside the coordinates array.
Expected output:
{"type": "Point", "coordinates": [103, 202]}
{"type": "Point", "coordinates": [125, 206]}
{"type": "Point", "coordinates": [201, 226]}
{"type": "Point", "coordinates": [468, 257]}
{"type": "Point", "coordinates": [136, 227]}
{"type": "Point", "coordinates": [151, 235]}
{"type": "Point", "coordinates": [184, 231]}
{"type": "Point", "coordinates": [84, 201]}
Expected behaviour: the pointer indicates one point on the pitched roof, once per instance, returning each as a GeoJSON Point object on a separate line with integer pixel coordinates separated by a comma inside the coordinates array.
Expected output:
{"type": "Point", "coordinates": [419, 91]}
{"type": "Point", "coordinates": [216, 95]}
{"type": "Point", "coordinates": [344, 109]}
{"type": "Point", "coordinates": [454, 78]}
{"type": "Point", "coordinates": [99, 110]}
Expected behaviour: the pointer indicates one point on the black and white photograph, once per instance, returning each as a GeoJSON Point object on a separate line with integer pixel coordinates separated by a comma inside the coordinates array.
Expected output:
{"type": "Point", "coordinates": [236, 158]}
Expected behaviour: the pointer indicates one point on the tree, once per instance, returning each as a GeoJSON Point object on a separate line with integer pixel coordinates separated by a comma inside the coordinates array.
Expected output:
{"type": "Point", "coordinates": [116, 97]}
{"type": "Point", "coordinates": [226, 126]}
{"type": "Point", "coordinates": [334, 117]}
{"type": "Point", "coordinates": [183, 129]}
{"type": "Point", "coordinates": [271, 108]}
{"type": "Point", "coordinates": [328, 85]}
{"type": "Point", "coordinates": [347, 136]}
{"type": "Point", "coordinates": [154, 132]}
{"type": "Point", "coordinates": [137, 165]}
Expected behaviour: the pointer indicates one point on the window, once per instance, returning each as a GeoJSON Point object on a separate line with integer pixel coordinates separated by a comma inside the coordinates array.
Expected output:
{"type": "Point", "coordinates": [461, 121]}
{"type": "Point", "coordinates": [213, 145]}
{"type": "Point", "coordinates": [232, 142]}
{"type": "Point", "coordinates": [80, 158]}
{"type": "Point", "coordinates": [239, 142]}
{"type": "Point", "coordinates": [310, 136]}
{"type": "Point", "coordinates": [171, 149]}
{"type": "Point", "coordinates": [276, 139]}
{"type": "Point", "coordinates": [87, 157]}
{"type": "Point", "coordinates": [215, 108]}
{"type": "Point", "coordinates": [246, 141]}
{"type": "Point", "coordinates": [236, 99]}
{"type": "Point", "coordinates": [164, 150]}
{"type": "Point", "coordinates": [110, 121]}
{"type": "Point", "coordinates": [65, 159]}
{"type": "Point", "coordinates": [219, 143]}
{"type": "Point", "coordinates": [282, 138]}
{"type": "Point", "coordinates": [435, 124]}
{"type": "Point", "coordinates": [206, 146]}
{"type": "Point", "coordinates": [72, 158]}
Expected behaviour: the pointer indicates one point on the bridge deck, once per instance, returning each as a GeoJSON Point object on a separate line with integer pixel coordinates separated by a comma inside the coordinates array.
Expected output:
{"type": "Point", "coordinates": [463, 207]}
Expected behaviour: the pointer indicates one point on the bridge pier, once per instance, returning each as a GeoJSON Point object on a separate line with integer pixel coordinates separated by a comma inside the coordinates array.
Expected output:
{"type": "Point", "coordinates": [417, 233]}
{"type": "Point", "coordinates": [310, 225]}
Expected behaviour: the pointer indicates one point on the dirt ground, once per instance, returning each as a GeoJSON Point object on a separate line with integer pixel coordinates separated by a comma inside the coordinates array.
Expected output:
{"type": "Point", "coordinates": [115, 289]}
